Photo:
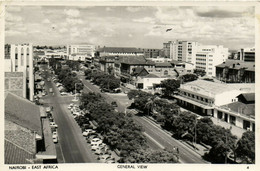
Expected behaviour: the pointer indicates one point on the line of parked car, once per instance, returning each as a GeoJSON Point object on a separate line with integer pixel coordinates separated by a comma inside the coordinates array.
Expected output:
{"type": "Point", "coordinates": [98, 147]}
{"type": "Point", "coordinates": [95, 140]}
{"type": "Point", "coordinates": [53, 125]}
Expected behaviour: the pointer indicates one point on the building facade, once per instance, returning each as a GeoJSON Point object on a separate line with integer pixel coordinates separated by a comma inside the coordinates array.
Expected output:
{"type": "Point", "coordinates": [247, 55]}
{"type": "Point", "coordinates": [80, 52]}
{"type": "Point", "coordinates": [152, 53]}
{"type": "Point", "coordinates": [119, 51]}
{"type": "Point", "coordinates": [236, 71]}
{"type": "Point", "coordinates": [180, 50]}
{"type": "Point", "coordinates": [208, 56]}
{"type": "Point", "coordinates": [209, 98]}
{"type": "Point", "coordinates": [20, 59]}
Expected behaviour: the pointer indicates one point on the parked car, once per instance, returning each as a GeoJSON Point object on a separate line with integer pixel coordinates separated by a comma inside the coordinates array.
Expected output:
{"type": "Point", "coordinates": [87, 132]}
{"type": "Point", "coordinates": [54, 134]}
{"type": "Point", "coordinates": [63, 93]}
{"type": "Point", "coordinates": [55, 139]}
{"type": "Point", "coordinates": [53, 125]}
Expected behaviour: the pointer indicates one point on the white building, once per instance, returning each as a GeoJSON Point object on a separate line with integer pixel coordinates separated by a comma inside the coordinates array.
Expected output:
{"type": "Point", "coordinates": [208, 56]}
{"type": "Point", "coordinates": [21, 60]}
{"type": "Point", "coordinates": [209, 98]}
{"type": "Point", "coordinates": [180, 50]}
{"type": "Point", "coordinates": [80, 52]}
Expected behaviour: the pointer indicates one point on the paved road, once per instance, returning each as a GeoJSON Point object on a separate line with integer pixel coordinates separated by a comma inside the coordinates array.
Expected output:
{"type": "Point", "coordinates": [73, 146]}
{"type": "Point", "coordinates": [157, 138]}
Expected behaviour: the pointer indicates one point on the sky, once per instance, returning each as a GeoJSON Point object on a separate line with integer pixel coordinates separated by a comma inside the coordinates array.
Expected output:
{"type": "Point", "coordinates": [130, 26]}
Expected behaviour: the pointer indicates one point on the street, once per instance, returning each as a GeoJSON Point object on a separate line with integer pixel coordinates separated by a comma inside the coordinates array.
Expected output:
{"type": "Point", "coordinates": [157, 138]}
{"type": "Point", "coordinates": [72, 147]}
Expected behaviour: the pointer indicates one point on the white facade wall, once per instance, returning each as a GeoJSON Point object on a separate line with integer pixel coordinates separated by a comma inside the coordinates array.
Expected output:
{"type": "Point", "coordinates": [226, 97]}
{"type": "Point", "coordinates": [181, 50]}
{"type": "Point", "coordinates": [21, 56]}
{"type": "Point", "coordinates": [148, 82]}
{"type": "Point", "coordinates": [81, 49]}
{"type": "Point", "coordinates": [208, 56]}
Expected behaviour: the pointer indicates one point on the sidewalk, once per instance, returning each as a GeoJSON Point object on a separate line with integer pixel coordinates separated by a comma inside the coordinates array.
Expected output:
{"type": "Point", "coordinates": [199, 148]}
{"type": "Point", "coordinates": [234, 130]}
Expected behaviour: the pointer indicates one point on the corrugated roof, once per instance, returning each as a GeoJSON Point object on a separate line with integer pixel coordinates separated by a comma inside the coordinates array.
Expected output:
{"type": "Point", "coordinates": [248, 96]}
{"type": "Point", "coordinates": [135, 60]}
{"type": "Point", "coordinates": [241, 108]}
{"type": "Point", "coordinates": [120, 50]}
{"type": "Point", "coordinates": [16, 155]}
{"type": "Point", "coordinates": [22, 112]}
{"type": "Point", "coordinates": [249, 66]}
{"type": "Point", "coordinates": [163, 64]}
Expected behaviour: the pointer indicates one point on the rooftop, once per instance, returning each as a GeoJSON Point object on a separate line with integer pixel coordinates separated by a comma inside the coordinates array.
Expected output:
{"type": "Point", "coordinates": [248, 96]}
{"type": "Point", "coordinates": [135, 60]}
{"type": "Point", "coordinates": [241, 108]}
{"type": "Point", "coordinates": [22, 112]}
{"type": "Point", "coordinates": [15, 154]}
{"type": "Point", "coordinates": [120, 50]}
{"type": "Point", "coordinates": [163, 64]}
{"type": "Point", "coordinates": [237, 64]}
{"type": "Point", "coordinates": [217, 88]}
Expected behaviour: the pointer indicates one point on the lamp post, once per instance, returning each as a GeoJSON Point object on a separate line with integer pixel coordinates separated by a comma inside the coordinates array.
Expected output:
{"type": "Point", "coordinates": [195, 133]}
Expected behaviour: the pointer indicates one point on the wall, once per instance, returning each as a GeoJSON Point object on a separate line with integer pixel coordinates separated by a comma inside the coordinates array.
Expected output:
{"type": "Point", "coordinates": [14, 83]}
{"type": "Point", "coordinates": [226, 97]}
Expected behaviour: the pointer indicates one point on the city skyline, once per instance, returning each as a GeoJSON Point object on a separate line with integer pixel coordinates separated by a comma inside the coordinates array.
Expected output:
{"type": "Point", "coordinates": [129, 26]}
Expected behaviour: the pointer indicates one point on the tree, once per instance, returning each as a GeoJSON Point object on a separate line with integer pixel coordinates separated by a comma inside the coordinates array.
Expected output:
{"type": "Point", "coordinates": [246, 147]}
{"type": "Point", "coordinates": [170, 86]}
{"type": "Point", "coordinates": [199, 72]}
{"type": "Point", "coordinates": [188, 78]}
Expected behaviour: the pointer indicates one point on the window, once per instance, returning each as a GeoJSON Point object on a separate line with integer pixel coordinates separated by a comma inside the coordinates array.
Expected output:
{"type": "Point", "coordinates": [165, 72]}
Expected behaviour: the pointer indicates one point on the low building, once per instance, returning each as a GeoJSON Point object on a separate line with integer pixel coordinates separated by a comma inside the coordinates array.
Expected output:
{"type": "Point", "coordinates": [206, 97]}
{"type": "Point", "coordinates": [80, 57]}
{"type": "Point", "coordinates": [235, 71]}
{"type": "Point", "coordinates": [119, 51]}
{"type": "Point", "coordinates": [183, 67]}
{"type": "Point", "coordinates": [28, 137]}
{"type": "Point", "coordinates": [124, 66]}
{"type": "Point", "coordinates": [240, 113]}
{"type": "Point", "coordinates": [164, 69]}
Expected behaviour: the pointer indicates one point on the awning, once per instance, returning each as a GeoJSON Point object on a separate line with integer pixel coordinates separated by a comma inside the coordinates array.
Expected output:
{"type": "Point", "coordinates": [193, 102]}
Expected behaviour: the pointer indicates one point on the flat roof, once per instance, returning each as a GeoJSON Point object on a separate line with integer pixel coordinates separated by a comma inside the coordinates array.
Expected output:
{"type": "Point", "coordinates": [217, 88]}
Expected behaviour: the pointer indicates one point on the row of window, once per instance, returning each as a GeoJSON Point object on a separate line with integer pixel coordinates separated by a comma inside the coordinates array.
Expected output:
{"type": "Point", "coordinates": [201, 59]}
{"type": "Point", "coordinates": [197, 97]}
{"type": "Point", "coordinates": [200, 63]}
{"type": "Point", "coordinates": [201, 55]}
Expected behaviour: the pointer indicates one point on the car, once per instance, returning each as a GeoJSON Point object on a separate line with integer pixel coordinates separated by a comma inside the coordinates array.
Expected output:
{"type": "Point", "coordinates": [54, 134]}
{"type": "Point", "coordinates": [87, 132]}
{"type": "Point", "coordinates": [114, 104]}
{"type": "Point", "coordinates": [53, 125]}
{"type": "Point", "coordinates": [63, 93]}
{"type": "Point", "coordinates": [55, 139]}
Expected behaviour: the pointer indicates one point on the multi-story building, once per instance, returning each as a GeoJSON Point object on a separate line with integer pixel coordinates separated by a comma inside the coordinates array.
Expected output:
{"type": "Point", "coordinates": [180, 50]}
{"type": "Point", "coordinates": [19, 58]}
{"type": "Point", "coordinates": [119, 51]}
{"type": "Point", "coordinates": [208, 56]}
{"type": "Point", "coordinates": [235, 71]}
{"type": "Point", "coordinates": [80, 52]}
{"type": "Point", "coordinates": [207, 98]}
{"type": "Point", "coordinates": [247, 55]}
{"type": "Point", "coordinates": [152, 53]}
